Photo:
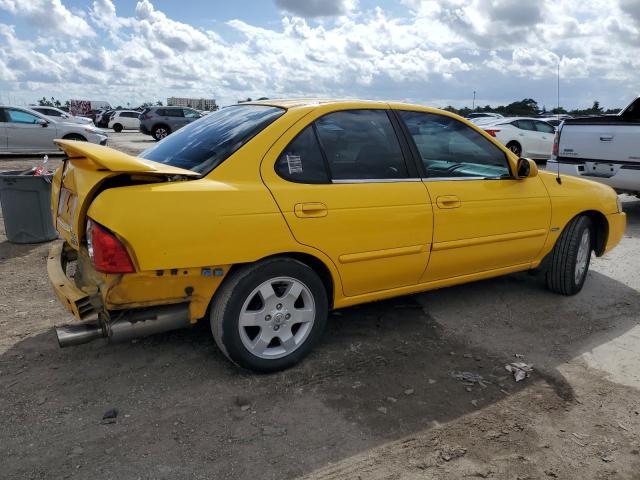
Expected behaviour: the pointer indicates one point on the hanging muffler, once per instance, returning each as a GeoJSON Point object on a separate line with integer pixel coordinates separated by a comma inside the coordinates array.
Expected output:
{"type": "Point", "coordinates": [127, 325]}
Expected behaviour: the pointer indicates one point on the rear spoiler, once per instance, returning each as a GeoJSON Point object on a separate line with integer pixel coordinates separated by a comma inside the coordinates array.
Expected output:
{"type": "Point", "coordinates": [116, 161]}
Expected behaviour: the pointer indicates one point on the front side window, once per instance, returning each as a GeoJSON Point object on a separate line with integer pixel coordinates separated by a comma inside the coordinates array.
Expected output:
{"type": "Point", "coordinates": [301, 161]}
{"type": "Point", "coordinates": [191, 113]}
{"type": "Point", "coordinates": [204, 144]}
{"type": "Point", "coordinates": [449, 148]}
{"type": "Point", "coordinates": [361, 144]}
{"type": "Point", "coordinates": [18, 116]}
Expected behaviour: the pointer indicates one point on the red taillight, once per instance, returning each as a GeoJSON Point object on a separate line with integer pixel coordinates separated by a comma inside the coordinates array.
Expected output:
{"type": "Point", "coordinates": [107, 252]}
{"type": "Point", "coordinates": [146, 117]}
{"type": "Point", "coordinates": [556, 143]}
{"type": "Point", "coordinates": [492, 131]}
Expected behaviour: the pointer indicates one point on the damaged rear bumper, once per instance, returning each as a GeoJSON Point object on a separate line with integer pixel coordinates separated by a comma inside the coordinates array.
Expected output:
{"type": "Point", "coordinates": [77, 301]}
{"type": "Point", "coordinates": [98, 323]}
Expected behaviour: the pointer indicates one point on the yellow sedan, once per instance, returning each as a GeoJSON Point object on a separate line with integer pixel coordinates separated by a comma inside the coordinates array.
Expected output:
{"type": "Point", "coordinates": [262, 217]}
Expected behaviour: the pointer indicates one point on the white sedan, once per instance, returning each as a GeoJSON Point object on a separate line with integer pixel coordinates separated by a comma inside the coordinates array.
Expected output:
{"type": "Point", "coordinates": [125, 120]}
{"type": "Point", "coordinates": [526, 137]}
{"type": "Point", "coordinates": [61, 116]}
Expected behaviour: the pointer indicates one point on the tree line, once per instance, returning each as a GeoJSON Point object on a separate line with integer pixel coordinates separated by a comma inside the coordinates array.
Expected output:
{"type": "Point", "coordinates": [53, 102]}
{"type": "Point", "coordinates": [528, 107]}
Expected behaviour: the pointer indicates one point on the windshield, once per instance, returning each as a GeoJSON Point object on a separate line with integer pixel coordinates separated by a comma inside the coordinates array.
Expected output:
{"type": "Point", "coordinates": [204, 144]}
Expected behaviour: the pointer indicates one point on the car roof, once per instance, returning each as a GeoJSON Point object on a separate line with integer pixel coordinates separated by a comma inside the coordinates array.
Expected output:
{"type": "Point", "coordinates": [290, 103]}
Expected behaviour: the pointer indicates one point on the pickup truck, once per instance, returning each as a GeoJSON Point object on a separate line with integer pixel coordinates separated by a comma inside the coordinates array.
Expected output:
{"type": "Point", "coordinates": [604, 148]}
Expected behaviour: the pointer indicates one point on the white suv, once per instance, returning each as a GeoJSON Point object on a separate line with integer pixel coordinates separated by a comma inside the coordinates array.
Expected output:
{"type": "Point", "coordinates": [125, 119]}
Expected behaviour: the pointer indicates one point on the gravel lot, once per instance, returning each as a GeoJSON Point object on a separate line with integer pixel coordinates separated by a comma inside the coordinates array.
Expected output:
{"type": "Point", "coordinates": [376, 400]}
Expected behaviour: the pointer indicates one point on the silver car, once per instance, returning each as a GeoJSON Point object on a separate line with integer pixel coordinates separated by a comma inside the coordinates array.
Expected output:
{"type": "Point", "coordinates": [23, 130]}
{"type": "Point", "coordinates": [61, 116]}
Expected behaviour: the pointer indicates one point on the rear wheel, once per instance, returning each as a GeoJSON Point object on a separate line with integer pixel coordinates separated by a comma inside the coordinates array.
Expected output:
{"type": "Point", "coordinates": [117, 127]}
{"type": "Point", "coordinates": [571, 257]}
{"type": "Point", "coordinates": [160, 131]}
{"type": "Point", "coordinates": [515, 148]}
{"type": "Point", "coordinates": [268, 316]}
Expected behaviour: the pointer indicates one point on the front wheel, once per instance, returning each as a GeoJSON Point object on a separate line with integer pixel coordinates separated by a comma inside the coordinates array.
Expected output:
{"type": "Point", "coordinates": [268, 316]}
{"type": "Point", "coordinates": [117, 128]}
{"type": "Point", "coordinates": [571, 257]}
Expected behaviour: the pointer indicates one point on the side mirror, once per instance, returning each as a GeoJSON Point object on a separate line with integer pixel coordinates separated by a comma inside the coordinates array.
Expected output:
{"type": "Point", "coordinates": [42, 122]}
{"type": "Point", "coordinates": [526, 168]}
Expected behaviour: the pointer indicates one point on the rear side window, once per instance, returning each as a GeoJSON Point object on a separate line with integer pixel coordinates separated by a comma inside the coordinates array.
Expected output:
{"type": "Point", "coordinates": [361, 144]}
{"type": "Point", "coordinates": [526, 125]}
{"type": "Point", "coordinates": [205, 143]}
{"type": "Point", "coordinates": [450, 148]}
{"type": "Point", "coordinates": [302, 160]}
{"type": "Point", "coordinates": [544, 127]}
{"type": "Point", "coordinates": [173, 112]}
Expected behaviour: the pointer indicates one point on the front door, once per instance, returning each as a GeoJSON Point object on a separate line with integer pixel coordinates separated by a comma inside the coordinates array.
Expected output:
{"type": "Point", "coordinates": [484, 219]}
{"type": "Point", "coordinates": [345, 187]}
{"type": "Point", "coordinates": [25, 134]}
{"type": "Point", "coordinates": [3, 131]}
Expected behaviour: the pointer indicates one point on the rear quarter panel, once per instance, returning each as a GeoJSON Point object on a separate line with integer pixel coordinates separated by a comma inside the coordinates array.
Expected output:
{"type": "Point", "coordinates": [225, 218]}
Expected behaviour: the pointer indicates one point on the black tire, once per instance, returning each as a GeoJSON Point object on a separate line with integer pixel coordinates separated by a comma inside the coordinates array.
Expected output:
{"type": "Point", "coordinates": [515, 147]}
{"type": "Point", "coordinates": [117, 127]}
{"type": "Point", "coordinates": [563, 268]}
{"type": "Point", "coordinates": [237, 289]}
{"type": "Point", "coordinates": [160, 131]}
{"type": "Point", "coordinates": [75, 136]}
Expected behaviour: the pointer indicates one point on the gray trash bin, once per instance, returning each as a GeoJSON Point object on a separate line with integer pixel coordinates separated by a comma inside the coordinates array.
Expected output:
{"type": "Point", "coordinates": [26, 207]}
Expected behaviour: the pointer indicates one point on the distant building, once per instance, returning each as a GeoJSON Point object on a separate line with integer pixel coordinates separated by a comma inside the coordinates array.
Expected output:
{"type": "Point", "coordinates": [197, 103]}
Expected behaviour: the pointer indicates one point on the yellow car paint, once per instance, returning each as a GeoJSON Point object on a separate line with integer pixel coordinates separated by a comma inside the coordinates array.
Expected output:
{"type": "Point", "coordinates": [375, 240]}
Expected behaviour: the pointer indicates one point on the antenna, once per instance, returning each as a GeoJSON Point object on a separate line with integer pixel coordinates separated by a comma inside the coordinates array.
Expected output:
{"type": "Point", "coordinates": [558, 179]}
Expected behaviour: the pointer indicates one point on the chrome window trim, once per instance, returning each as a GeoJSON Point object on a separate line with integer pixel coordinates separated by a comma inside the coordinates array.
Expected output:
{"type": "Point", "coordinates": [377, 180]}
{"type": "Point", "coordinates": [457, 179]}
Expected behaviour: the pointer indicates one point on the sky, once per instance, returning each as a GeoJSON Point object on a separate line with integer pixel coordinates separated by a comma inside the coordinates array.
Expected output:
{"type": "Point", "coordinates": [433, 52]}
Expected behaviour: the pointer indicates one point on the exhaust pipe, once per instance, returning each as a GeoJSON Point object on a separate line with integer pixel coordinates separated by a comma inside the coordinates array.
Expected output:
{"type": "Point", "coordinates": [133, 324]}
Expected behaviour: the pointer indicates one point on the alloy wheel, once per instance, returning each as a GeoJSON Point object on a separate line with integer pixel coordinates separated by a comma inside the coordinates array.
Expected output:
{"type": "Point", "coordinates": [582, 259]}
{"type": "Point", "coordinates": [277, 317]}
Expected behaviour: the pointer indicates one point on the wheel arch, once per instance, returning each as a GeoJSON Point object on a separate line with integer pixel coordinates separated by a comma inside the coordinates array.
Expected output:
{"type": "Point", "coordinates": [601, 226]}
{"type": "Point", "coordinates": [71, 136]}
{"type": "Point", "coordinates": [316, 264]}
{"type": "Point", "coordinates": [160, 124]}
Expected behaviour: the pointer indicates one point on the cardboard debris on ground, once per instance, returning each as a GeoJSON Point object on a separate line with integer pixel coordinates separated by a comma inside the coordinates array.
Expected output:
{"type": "Point", "coordinates": [520, 370]}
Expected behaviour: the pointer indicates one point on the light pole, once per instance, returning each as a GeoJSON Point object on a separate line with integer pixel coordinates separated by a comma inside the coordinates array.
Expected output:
{"type": "Point", "coordinates": [474, 101]}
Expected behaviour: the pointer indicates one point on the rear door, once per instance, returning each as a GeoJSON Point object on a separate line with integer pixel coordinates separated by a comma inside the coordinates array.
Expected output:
{"type": "Point", "coordinates": [25, 134]}
{"type": "Point", "coordinates": [484, 219]}
{"type": "Point", "coordinates": [346, 187]}
{"type": "Point", "coordinates": [546, 134]}
{"type": "Point", "coordinates": [174, 117]}
{"type": "Point", "coordinates": [528, 137]}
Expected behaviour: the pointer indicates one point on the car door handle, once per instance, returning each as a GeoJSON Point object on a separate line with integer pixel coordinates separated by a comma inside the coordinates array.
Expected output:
{"type": "Point", "coordinates": [448, 201]}
{"type": "Point", "coordinates": [310, 210]}
{"type": "Point", "coordinates": [606, 138]}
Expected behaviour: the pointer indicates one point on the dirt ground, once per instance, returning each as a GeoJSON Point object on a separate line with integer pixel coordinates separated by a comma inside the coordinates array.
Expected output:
{"type": "Point", "coordinates": [380, 398]}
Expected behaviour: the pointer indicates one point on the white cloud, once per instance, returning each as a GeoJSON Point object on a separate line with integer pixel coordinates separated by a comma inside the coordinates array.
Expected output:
{"type": "Point", "coordinates": [436, 49]}
{"type": "Point", "coordinates": [317, 8]}
{"type": "Point", "coordinates": [49, 16]}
